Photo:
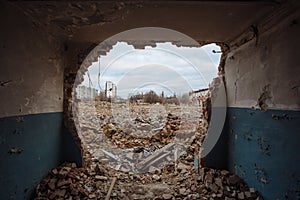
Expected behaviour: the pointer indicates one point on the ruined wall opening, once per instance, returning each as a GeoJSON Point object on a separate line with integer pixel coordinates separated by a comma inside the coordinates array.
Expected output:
{"type": "Point", "coordinates": [150, 137]}
{"type": "Point", "coordinates": [132, 103]}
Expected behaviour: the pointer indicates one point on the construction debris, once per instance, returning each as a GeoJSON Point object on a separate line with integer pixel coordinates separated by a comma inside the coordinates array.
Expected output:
{"type": "Point", "coordinates": [140, 152]}
{"type": "Point", "coordinates": [98, 182]}
{"type": "Point", "coordinates": [139, 137]}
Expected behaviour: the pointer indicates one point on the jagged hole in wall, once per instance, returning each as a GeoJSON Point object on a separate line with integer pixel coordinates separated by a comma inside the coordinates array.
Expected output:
{"type": "Point", "coordinates": [134, 104]}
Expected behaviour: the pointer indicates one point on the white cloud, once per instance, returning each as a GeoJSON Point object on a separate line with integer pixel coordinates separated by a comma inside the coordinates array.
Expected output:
{"type": "Point", "coordinates": [181, 69]}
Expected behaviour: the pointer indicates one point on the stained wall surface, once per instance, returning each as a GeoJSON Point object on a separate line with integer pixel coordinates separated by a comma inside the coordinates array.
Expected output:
{"type": "Point", "coordinates": [33, 138]}
{"type": "Point", "coordinates": [259, 145]}
{"type": "Point", "coordinates": [262, 82]}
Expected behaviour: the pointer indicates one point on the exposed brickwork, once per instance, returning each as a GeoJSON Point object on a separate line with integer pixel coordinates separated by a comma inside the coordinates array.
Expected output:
{"type": "Point", "coordinates": [73, 76]}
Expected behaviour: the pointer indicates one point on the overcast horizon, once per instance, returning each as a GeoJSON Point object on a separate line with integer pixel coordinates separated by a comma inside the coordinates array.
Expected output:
{"type": "Point", "coordinates": [165, 67]}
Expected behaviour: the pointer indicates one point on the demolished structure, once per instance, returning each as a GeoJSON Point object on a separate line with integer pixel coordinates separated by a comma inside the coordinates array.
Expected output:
{"type": "Point", "coordinates": [45, 43]}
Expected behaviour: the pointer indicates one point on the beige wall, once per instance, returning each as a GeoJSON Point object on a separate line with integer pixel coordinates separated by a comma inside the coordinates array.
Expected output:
{"type": "Point", "coordinates": [273, 61]}
{"type": "Point", "coordinates": [31, 62]}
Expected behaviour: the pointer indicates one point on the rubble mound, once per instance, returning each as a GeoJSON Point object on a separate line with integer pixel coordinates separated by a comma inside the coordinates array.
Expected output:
{"type": "Point", "coordinates": [180, 181]}
{"type": "Point", "coordinates": [140, 138]}
{"type": "Point", "coordinates": [145, 156]}
{"type": "Point", "coordinates": [124, 139]}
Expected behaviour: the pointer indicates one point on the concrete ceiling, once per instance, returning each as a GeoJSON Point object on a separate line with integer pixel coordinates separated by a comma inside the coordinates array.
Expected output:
{"type": "Point", "coordinates": [93, 22]}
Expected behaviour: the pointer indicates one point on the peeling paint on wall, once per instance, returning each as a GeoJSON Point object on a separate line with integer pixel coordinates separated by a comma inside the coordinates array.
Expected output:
{"type": "Point", "coordinates": [260, 149]}
{"type": "Point", "coordinates": [263, 74]}
{"type": "Point", "coordinates": [264, 146]}
{"type": "Point", "coordinates": [248, 135]}
{"type": "Point", "coordinates": [264, 97]}
{"type": "Point", "coordinates": [260, 174]}
{"type": "Point", "coordinates": [5, 83]}
{"type": "Point", "coordinates": [281, 117]}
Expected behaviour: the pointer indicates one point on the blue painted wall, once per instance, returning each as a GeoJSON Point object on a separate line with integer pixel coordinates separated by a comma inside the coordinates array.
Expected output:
{"type": "Point", "coordinates": [30, 146]}
{"type": "Point", "coordinates": [264, 149]}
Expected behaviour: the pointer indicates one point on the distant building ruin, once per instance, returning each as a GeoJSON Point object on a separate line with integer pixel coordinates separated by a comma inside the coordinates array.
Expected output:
{"type": "Point", "coordinates": [110, 90]}
{"type": "Point", "coordinates": [199, 95]}
{"type": "Point", "coordinates": [84, 92]}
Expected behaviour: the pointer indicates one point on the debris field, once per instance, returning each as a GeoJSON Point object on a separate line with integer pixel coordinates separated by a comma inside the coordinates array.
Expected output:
{"type": "Point", "coordinates": [141, 152]}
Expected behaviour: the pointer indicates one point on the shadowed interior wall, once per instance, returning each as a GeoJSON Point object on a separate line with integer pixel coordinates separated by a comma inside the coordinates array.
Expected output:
{"type": "Point", "coordinates": [263, 74]}
{"type": "Point", "coordinates": [31, 145]}
{"type": "Point", "coordinates": [33, 138]}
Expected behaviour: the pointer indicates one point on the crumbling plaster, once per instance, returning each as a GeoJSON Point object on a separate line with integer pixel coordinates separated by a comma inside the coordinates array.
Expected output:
{"type": "Point", "coordinates": [86, 38]}
{"type": "Point", "coordinates": [78, 27]}
{"type": "Point", "coordinates": [32, 73]}
{"type": "Point", "coordinates": [265, 68]}
{"type": "Point", "coordinates": [44, 44]}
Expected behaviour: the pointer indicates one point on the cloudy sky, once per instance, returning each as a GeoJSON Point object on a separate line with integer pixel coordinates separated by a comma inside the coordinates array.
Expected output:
{"type": "Point", "coordinates": [163, 68]}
